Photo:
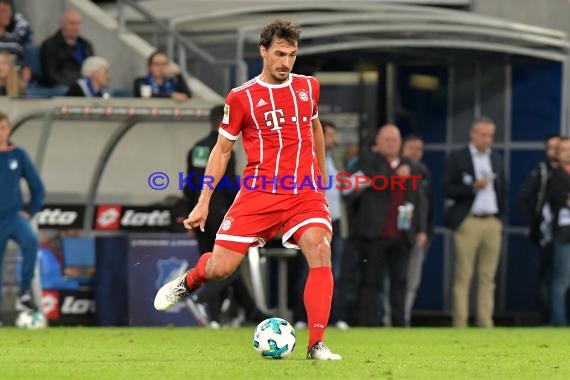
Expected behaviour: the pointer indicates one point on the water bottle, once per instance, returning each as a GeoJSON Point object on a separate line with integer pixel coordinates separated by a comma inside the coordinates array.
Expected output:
{"type": "Point", "coordinates": [405, 216]}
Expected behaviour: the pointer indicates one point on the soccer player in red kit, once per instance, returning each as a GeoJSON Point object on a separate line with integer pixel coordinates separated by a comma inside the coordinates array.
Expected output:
{"type": "Point", "coordinates": [277, 116]}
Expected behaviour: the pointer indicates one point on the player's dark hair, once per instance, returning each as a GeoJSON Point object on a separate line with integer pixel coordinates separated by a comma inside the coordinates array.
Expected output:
{"type": "Point", "coordinates": [151, 57]}
{"type": "Point", "coordinates": [216, 116]}
{"type": "Point", "coordinates": [279, 29]}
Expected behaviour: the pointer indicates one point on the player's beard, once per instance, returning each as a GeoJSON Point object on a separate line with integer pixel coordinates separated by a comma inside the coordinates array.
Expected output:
{"type": "Point", "coordinates": [280, 76]}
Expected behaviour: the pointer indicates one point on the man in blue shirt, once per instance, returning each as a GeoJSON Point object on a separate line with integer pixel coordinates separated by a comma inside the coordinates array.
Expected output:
{"type": "Point", "coordinates": [14, 217]}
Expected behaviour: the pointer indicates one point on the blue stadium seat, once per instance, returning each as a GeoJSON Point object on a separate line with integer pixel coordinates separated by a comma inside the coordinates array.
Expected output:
{"type": "Point", "coordinates": [50, 271]}
{"type": "Point", "coordinates": [37, 91]}
{"type": "Point", "coordinates": [33, 59]}
{"type": "Point", "coordinates": [79, 252]}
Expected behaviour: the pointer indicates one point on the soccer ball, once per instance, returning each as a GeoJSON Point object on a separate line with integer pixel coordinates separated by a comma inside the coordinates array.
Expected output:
{"type": "Point", "coordinates": [31, 320]}
{"type": "Point", "coordinates": [274, 338]}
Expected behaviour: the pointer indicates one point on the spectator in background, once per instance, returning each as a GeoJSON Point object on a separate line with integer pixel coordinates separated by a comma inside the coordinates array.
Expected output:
{"type": "Point", "coordinates": [413, 148]}
{"type": "Point", "coordinates": [388, 224]}
{"type": "Point", "coordinates": [334, 196]}
{"type": "Point", "coordinates": [558, 189]}
{"type": "Point", "coordinates": [10, 82]}
{"type": "Point", "coordinates": [15, 165]}
{"type": "Point", "coordinates": [533, 204]}
{"type": "Point", "coordinates": [21, 28]}
{"type": "Point", "coordinates": [10, 42]}
{"type": "Point", "coordinates": [162, 81]}
{"type": "Point", "coordinates": [475, 184]}
{"type": "Point", "coordinates": [93, 84]}
{"type": "Point", "coordinates": [64, 53]}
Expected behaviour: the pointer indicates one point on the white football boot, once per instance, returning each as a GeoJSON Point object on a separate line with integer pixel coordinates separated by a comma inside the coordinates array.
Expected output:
{"type": "Point", "coordinates": [321, 352]}
{"type": "Point", "coordinates": [172, 292]}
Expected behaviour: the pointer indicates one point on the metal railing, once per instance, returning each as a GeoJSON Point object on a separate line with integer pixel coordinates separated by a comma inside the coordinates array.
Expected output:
{"type": "Point", "coordinates": [178, 45]}
{"type": "Point", "coordinates": [128, 117]}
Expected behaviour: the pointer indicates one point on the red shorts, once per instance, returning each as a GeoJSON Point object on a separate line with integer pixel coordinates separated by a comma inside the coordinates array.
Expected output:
{"type": "Point", "coordinates": [256, 217]}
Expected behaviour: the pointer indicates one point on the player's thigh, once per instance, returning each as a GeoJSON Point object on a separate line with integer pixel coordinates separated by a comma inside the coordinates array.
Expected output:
{"type": "Point", "coordinates": [252, 220]}
{"type": "Point", "coordinates": [307, 216]}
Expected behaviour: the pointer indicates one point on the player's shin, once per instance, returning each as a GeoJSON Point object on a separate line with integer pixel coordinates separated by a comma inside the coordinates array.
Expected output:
{"type": "Point", "coordinates": [318, 298]}
{"type": "Point", "coordinates": [196, 277]}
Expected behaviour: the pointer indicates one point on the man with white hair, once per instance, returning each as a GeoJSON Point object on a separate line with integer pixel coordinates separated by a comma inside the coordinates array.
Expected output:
{"type": "Point", "coordinates": [94, 81]}
{"type": "Point", "coordinates": [64, 53]}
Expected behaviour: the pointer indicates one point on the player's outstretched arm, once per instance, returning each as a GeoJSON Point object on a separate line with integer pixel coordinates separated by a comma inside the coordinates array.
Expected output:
{"type": "Point", "coordinates": [320, 146]}
{"type": "Point", "coordinates": [215, 169]}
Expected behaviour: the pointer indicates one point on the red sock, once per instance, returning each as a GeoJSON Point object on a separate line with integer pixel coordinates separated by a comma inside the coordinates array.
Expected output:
{"type": "Point", "coordinates": [318, 298]}
{"type": "Point", "coordinates": [195, 278]}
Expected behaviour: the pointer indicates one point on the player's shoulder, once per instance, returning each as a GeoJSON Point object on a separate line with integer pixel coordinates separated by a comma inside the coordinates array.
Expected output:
{"type": "Point", "coordinates": [241, 88]}
{"type": "Point", "coordinates": [304, 77]}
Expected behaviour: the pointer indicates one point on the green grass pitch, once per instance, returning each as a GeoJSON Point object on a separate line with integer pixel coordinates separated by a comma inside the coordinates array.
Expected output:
{"type": "Point", "coordinates": [199, 354]}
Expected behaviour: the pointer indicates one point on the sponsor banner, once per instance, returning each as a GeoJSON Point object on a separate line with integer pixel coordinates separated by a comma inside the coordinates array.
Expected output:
{"type": "Point", "coordinates": [132, 218]}
{"type": "Point", "coordinates": [108, 217]}
{"type": "Point", "coordinates": [69, 307]}
{"type": "Point", "coordinates": [57, 217]}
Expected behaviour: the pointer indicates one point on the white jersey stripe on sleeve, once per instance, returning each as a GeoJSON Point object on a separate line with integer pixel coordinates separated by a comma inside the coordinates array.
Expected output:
{"type": "Point", "coordinates": [313, 137]}
{"type": "Point", "coordinates": [227, 135]}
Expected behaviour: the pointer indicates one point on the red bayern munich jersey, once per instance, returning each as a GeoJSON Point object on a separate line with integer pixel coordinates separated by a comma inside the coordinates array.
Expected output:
{"type": "Point", "coordinates": [276, 126]}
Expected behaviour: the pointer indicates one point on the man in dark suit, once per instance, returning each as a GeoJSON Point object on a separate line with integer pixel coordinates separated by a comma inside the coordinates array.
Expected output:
{"type": "Point", "coordinates": [387, 224]}
{"type": "Point", "coordinates": [533, 204]}
{"type": "Point", "coordinates": [63, 54]}
{"type": "Point", "coordinates": [475, 189]}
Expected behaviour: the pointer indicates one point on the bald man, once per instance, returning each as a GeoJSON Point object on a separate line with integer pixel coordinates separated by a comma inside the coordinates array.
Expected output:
{"type": "Point", "coordinates": [388, 223]}
{"type": "Point", "coordinates": [475, 190]}
{"type": "Point", "coordinates": [63, 53]}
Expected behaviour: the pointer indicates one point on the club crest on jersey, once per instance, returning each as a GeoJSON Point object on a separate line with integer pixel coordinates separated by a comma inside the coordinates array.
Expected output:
{"type": "Point", "coordinates": [227, 224]}
{"type": "Point", "coordinates": [303, 95]}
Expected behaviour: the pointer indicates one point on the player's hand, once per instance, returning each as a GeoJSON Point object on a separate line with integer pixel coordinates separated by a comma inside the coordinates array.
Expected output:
{"type": "Point", "coordinates": [197, 218]}
{"type": "Point", "coordinates": [25, 215]}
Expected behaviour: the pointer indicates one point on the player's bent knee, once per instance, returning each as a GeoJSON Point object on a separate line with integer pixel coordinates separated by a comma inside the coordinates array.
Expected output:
{"type": "Point", "coordinates": [320, 254]}
{"type": "Point", "coordinates": [220, 272]}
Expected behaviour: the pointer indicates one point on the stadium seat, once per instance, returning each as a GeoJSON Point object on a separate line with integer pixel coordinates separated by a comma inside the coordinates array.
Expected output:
{"type": "Point", "coordinates": [33, 59]}
{"type": "Point", "coordinates": [79, 252]}
{"type": "Point", "coordinates": [50, 270]}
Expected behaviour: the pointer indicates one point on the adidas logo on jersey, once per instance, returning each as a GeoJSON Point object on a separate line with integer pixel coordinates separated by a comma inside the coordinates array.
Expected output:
{"type": "Point", "coordinates": [261, 103]}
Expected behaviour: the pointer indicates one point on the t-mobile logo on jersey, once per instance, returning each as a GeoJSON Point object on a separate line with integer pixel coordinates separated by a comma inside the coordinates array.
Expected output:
{"type": "Point", "coordinates": [273, 119]}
